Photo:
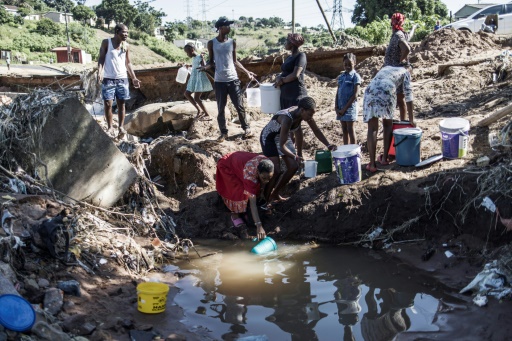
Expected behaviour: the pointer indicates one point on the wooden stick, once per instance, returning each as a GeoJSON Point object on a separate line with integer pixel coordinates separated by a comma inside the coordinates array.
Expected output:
{"type": "Point", "coordinates": [441, 68]}
{"type": "Point", "coordinates": [491, 118]}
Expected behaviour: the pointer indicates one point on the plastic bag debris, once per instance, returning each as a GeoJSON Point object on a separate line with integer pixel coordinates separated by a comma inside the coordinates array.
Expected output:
{"type": "Point", "coordinates": [490, 281]}
{"type": "Point", "coordinates": [488, 204]}
{"type": "Point", "coordinates": [448, 254]}
{"type": "Point", "coordinates": [375, 233]}
{"type": "Point", "coordinates": [480, 300]}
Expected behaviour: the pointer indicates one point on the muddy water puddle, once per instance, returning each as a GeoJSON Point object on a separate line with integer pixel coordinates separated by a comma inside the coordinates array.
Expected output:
{"type": "Point", "coordinates": [303, 293]}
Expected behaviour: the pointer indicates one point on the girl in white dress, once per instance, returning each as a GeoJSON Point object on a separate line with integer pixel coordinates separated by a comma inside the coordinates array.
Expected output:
{"type": "Point", "coordinates": [197, 83]}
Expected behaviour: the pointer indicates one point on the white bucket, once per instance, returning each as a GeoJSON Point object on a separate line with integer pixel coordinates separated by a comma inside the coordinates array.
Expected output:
{"type": "Point", "coordinates": [454, 137]}
{"type": "Point", "coordinates": [310, 168]}
{"type": "Point", "coordinates": [182, 75]}
{"type": "Point", "coordinates": [347, 161]}
{"type": "Point", "coordinates": [270, 98]}
{"type": "Point", "coordinates": [253, 98]}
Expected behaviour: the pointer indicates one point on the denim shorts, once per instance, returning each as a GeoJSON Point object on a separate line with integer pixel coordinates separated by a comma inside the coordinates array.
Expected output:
{"type": "Point", "coordinates": [115, 88]}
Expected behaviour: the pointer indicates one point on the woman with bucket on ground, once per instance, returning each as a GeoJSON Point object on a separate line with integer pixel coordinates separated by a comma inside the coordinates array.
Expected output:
{"type": "Point", "coordinates": [275, 141]}
{"type": "Point", "coordinates": [197, 83]}
{"type": "Point", "coordinates": [291, 79]}
{"type": "Point", "coordinates": [397, 52]}
{"type": "Point", "coordinates": [345, 104]}
{"type": "Point", "coordinates": [238, 181]}
{"type": "Point", "coordinates": [379, 102]}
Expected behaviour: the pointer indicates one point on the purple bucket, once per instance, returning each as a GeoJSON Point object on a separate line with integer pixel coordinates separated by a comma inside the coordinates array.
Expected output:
{"type": "Point", "coordinates": [454, 137]}
{"type": "Point", "coordinates": [347, 161]}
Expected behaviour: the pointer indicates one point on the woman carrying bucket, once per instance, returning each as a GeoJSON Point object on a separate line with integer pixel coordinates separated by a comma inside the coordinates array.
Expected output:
{"type": "Point", "coordinates": [379, 102]}
{"type": "Point", "coordinates": [291, 79]}
{"type": "Point", "coordinates": [275, 141]}
{"type": "Point", "coordinates": [238, 181]}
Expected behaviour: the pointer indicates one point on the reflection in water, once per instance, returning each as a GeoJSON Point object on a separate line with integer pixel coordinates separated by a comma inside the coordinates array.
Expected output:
{"type": "Point", "coordinates": [300, 293]}
{"type": "Point", "coordinates": [391, 320]}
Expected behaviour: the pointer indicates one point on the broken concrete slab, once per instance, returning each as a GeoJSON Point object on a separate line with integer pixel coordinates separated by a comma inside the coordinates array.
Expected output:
{"type": "Point", "coordinates": [81, 160]}
{"type": "Point", "coordinates": [158, 119]}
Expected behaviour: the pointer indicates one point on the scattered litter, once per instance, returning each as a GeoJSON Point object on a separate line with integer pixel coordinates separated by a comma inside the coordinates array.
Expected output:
{"type": "Point", "coordinates": [377, 232]}
{"type": "Point", "coordinates": [448, 254]}
{"type": "Point", "coordinates": [494, 140]}
{"type": "Point", "coordinates": [483, 161]}
{"type": "Point", "coordinates": [445, 245]}
{"type": "Point", "coordinates": [17, 186]}
{"type": "Point", "coordinates": [191, 190]}
{"type": "Point", "coordinates": [489, 204]}
{"type": "Point", "coordinates": [490, 281]}
{"type": "Point", "coordinates": [7, 216]}
{"type": "Point", "coordinates": [480, 300]}
{"type": "Point", "coordinates": [103, 261]}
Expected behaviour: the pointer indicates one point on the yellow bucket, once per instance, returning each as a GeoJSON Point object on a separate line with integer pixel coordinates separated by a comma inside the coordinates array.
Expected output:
{"type": "Point", "coordinates": [152, 297]}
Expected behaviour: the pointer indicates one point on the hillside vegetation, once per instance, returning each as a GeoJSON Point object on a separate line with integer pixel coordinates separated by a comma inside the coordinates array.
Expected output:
{"type": "Point", "coordinates": [28, 44]}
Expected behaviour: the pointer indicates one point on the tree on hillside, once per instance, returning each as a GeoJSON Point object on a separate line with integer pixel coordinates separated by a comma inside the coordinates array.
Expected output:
{"type": "Point", "coordinates": [60, 5]}
{"type": "Point", "coordinates": [366, 11]}
{"type": "Point", "coordinates": [174, 29]}
{"type": "Point", "coordinates": [47, 27]}
{"type": "Point", "coordinates": [82, 13]}
{"type": "Point", "coordinates": [147, 18]}
{"type": "Point", "coordinates": [5, 17]}
{"type": "Point", "coordinates": [120, 11]}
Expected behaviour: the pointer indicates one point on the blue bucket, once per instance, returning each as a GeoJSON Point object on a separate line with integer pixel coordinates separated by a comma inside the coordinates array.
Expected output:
{"type": "Point", "coordinates": [267, 244]}
{"type": "Point", "coordinates": [408, 146]}
{"type": "Point", "coordinates": [454, 137]}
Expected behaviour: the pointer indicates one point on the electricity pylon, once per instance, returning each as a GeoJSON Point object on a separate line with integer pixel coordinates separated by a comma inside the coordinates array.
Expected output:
{"type": "Point", "coordinates": [337, 17]}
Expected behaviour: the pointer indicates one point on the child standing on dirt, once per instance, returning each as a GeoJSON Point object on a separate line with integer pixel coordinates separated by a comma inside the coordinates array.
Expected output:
{"type": "Point", "coordinates": [198, 83]}
{"type": "Point", "coordinates": [345, 104]}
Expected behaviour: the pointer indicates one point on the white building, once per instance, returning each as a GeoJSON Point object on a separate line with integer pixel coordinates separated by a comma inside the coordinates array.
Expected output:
{"type": "Point", "coordinates": [58, 17]}
{"type": "Point", "coordinates": [182, 42]}
{"type": "Point", "coordinates": [160, 32]}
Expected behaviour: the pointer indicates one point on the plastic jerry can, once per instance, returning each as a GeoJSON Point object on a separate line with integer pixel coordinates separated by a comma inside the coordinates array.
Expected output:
{"type": "Point", "coordinates": [324, 159]}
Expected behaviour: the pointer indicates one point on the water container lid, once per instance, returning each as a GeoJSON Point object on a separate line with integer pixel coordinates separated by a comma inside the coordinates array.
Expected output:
{"type": "Point", "coordinates": [454, 125]}
{"type": "Point", "coordinates": [408, 131]}
{"type": "Point", "coordinates": [346, 151]}
{"type": "Point", "coordinates": [16, 313]}
{"type": "Point", "coordinates": [266, 86]}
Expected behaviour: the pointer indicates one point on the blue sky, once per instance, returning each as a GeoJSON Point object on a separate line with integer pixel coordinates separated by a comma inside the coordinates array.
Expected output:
{"type": "Point", "coordinates": [306, 11]}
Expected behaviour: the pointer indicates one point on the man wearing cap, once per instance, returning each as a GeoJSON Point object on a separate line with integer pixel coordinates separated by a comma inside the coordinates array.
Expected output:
{"type": "Point", "coordinates": [222, 51]}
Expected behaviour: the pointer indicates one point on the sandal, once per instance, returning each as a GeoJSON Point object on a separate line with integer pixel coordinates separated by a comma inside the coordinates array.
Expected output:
{"type": "Point", "coordinates": [240, 228]}
{"type": "Point", "coordinates": [238, 222]}
{"type": "Point", "coordinates": [381, 160]}
{"type": "Point", "coordinates": [204, 117]}
{"type": "Point", "coordinates": [371, 169]}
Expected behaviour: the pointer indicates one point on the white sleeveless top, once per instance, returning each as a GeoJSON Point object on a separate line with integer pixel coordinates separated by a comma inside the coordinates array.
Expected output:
{"type": "Point", "coordinates": [115, 63]}
{"type": "Point", "coordinates": [223, 56]}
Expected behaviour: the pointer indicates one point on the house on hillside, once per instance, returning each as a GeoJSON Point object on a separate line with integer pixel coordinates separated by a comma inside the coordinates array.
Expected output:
{"type": "Point", "coordinates": [160, 32]}
{"type": "Point", "coordinates": [469, 9]}
{"type": "Point", "coordinates": [5, 53]}
{"type": "Point", "coordinates": [33, 17]}
{"type": "Point", "coordinates": [182, 42]}
{"type": "Point", "coordinates": [77, 55]}
{"type": "Point", "coordinates": [58, 17]}
{"type": "Point", "coordinates": [11, 9]}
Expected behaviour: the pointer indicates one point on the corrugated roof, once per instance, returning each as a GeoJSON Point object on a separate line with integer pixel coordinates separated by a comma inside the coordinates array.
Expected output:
{"type": "Point", "coordinates": [64, 48]}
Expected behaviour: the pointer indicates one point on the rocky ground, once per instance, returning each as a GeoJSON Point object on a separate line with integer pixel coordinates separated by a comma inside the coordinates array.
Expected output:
{"type": "Point", "coordinates": [438, 207]}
